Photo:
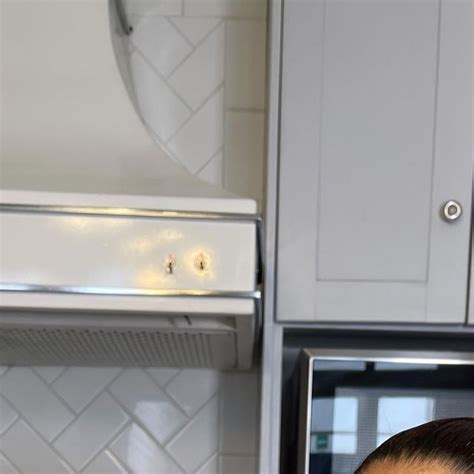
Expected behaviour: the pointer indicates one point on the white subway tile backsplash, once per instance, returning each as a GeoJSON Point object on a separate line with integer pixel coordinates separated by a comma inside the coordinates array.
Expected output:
{"type": "Point", "coordinates": [195, 29]}
{"type": "Point", "coordinates": [79, 385]}
{"type": "Point", "coordinates": [202, 136]}
{"type": "Point", "coordinates": [162, 109]}
{"type": "Point", "coordinates": [6, 467]}
{"type": "Point", "coordinates": [48, 374]}
{"type": "Point", "coordinates": [29, 453]}
{"type": "Point", "coordinates": [226, 8]}
{"type": "Point", "coordinates": [7, 415]}
{"type": "Point", "coordinates": [161, 43]}
{"type": "Point", "coordinates": [31, 397]}
{"type": "Point", "coordinates": [244, 150]}
{"type": "Point", "coordinates": [202, 72]}
{"type": "Point", "coordinates": [197, 442]}
{"type": "Point", "coordinates": [105, 439]}
{"type": "Point", "coordinates": [105, 463]}
{"type": "Point", "coordinates": [213, 169]}
{"type": "Point", "coordinates": [191, 389]}
{"type": "Point", "coordinates": [149, 404]}
{"type": "Point", "coordinates": [210, 467]}
{"type": "Point", "coordinates": [141, 8]}
{"type": "Point", "coordinates": [238, 465]}
{"type": "Point", "coordinates": [142, 455]}
{"type": "Point", "coordinates": [91, 431]}
{"type": "Point", "coordinates": [239, 413]}
{"type": "Point", "coordinates": [245, 44]}
{"type": "Point", "coordinates": [162, 375]}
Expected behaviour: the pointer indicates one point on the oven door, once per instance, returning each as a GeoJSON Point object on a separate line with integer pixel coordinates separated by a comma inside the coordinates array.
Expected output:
{"type": "Point", "coordinates": [352, 401]}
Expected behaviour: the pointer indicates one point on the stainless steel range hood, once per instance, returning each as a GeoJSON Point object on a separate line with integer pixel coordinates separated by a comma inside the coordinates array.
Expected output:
{"type": "Point", "coordinates": [111, 253]}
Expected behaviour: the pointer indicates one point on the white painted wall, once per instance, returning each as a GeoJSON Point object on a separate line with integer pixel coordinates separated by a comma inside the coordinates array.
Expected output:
{"type": "Point", "coordinates": [198, 68]}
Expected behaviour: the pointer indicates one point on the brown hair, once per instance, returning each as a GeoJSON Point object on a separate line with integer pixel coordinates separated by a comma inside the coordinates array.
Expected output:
{"type": "Point", "coordinates": [450, 442]}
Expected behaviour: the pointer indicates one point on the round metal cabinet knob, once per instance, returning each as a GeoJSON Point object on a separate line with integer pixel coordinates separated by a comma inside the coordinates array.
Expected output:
{"type": "Point", "coordinates": [451, 211]}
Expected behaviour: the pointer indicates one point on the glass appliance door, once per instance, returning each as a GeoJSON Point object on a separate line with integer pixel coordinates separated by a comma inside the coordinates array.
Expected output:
{"type": "Point", "coordinates": [355, 404]}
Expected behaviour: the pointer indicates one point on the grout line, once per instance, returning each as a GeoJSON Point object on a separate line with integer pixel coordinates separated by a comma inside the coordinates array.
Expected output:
{"type": "Point", "coordinates": [180, 33]}
{"type": "Point", "coordinates": [78, 414]}
{"type": "Point", "coordinates": [107, 447]}
{"type": "Point", "coordinates": [195, 412]}
{"type": "Point", "coordinates": [165, 148]}
{"type": "Point", "coordinates": [163, 390]}
{"type": "Point", "coordinates": [163, 78]}
{"type": "Point", "coordinates": [48, 382]}
{"type": "Point", "coordinates": [113, 456]}
{"type": "Point", "coordinates": [8, 368]}
{"type": "Point", "coordinates": [198, 45]}
{"type": "Point", "coordinates": [18, 418]}
{"type": "Point", "coordinates": [178, 433]}
{"type": "Point", "coordinates": [49, 444]}
{"type": "Point", "coordinates": [49, 390]}
{"type": "Point", "coordinates": [208, 459]}
{"type": "Point", "coordinates": [136, 421]}
{"type": "Point", "coordinates": [175, 376]}
{"type": "Point", "coordinates": [195, 112]}
{"type": "Point", "coordinates": [9, 461]}
{"type": "Point", "coordinates": [170, 85]}
{"type": "Point", "coordinates": [60, 374]}
{"type": "Point", "coordinates": [17, 415]}
{"type": "Point", "coordinates": [215, 155]}
{"type": "Point", "coordinates": [168, 77]}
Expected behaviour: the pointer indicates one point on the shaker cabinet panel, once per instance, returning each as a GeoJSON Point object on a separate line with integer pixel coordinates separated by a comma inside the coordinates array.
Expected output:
{"type": "Point", "coordinates": [376, 135]}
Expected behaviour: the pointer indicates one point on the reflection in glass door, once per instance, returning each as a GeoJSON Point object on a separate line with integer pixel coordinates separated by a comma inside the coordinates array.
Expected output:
{"type": "Point", "coordinates": [356, 406]}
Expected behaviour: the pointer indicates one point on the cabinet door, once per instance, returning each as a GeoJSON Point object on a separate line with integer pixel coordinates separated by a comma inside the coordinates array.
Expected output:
{"type": "Point", "coordinates": [376, 135]}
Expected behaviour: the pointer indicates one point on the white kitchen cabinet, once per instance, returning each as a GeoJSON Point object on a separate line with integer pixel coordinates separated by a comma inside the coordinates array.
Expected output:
{"type": "Point", "coordinates": [375, 136]}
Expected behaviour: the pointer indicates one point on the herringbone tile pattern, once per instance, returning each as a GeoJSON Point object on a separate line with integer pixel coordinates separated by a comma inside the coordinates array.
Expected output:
{"type": "Point", "coordinates": [198, 68]}
{"type": "Point", "coordinates": [109, 420]}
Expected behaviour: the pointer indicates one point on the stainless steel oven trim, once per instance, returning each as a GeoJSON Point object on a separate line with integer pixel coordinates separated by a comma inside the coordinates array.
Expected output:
{"type": "Point", "coordinates": [304, 431]}
{"type": "Point", "coordinates": [395, 356]}
{"type": "Point", "coordinates": [128, 212]}
{"type": "Point", "coordinates": [102, 291]}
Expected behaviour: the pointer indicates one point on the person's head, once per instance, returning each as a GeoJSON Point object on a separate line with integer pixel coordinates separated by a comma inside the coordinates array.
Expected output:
{"type": "Point", "coordinates": [438, 447]}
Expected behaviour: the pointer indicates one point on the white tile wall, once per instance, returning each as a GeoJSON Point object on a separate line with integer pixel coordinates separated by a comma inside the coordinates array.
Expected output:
{"type": "Point", "coordinates": [198, 68]}
{"type": "Point", "coordinates": [243, 9]}
{"type": "Point", "coordinates": [197, 78]}
{"type": "Point", "coordinates": [244, 148]}
{"type": "Point", "coordinates": [202, 137]}
{"type": "Point", "coordinates": [245, 64]}
{"type": "Point", "coordinates": [105, 463]}
{"type": "Point", "coordinates": [155, 421]}
{"type": "Point", "coordinates": [194, 63]}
